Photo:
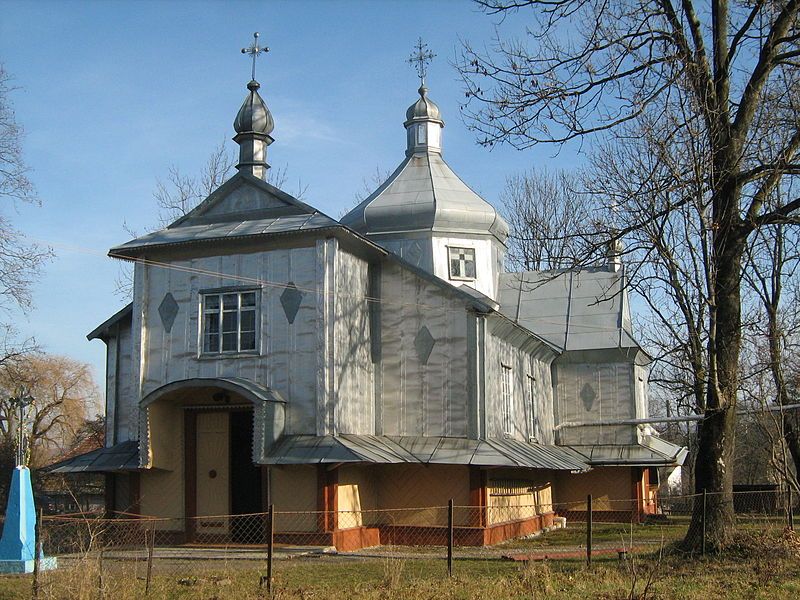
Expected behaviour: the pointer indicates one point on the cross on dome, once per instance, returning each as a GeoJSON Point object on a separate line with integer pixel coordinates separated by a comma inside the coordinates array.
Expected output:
{"type": "Point", "coordinates": [254, 50]}
{"type": "Point", "coordinates": [420, 59]}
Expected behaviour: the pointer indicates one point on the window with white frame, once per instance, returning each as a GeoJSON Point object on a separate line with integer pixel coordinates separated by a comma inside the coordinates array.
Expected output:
{"type": "Point", "coordinates": [462, 262]}
{"type": "Point", "coordinates": [229, 322]}
{"type": "Point", "coordinates": [508, 398]}
{"type": "Point", "coordinates": [532, 404]}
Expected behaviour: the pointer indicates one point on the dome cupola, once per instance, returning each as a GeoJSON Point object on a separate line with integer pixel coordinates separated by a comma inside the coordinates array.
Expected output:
{"type": "Point", "coordinates": [423, 125]}
{"type": "Point", "coordinates": [253, 123]}
{"type": "Point", "coordinates": [254, 116]}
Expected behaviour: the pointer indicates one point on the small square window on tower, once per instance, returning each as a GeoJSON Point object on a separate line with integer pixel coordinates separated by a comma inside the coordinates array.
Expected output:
{"type": "Point", "coordinates": [462, 263]}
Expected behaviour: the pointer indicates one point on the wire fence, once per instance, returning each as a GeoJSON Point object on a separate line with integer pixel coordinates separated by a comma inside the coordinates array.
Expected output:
{"type": "Point", "coordinates": [142, 549]}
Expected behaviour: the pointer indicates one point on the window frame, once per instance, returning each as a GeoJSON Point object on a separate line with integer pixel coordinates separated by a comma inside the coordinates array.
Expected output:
{"type": "Point", "coordinates": [507, 397]}
{"type": "Point", "coordinates": [533, 434]}
{"type": "Point", "coordinates": [203, 297]}
{"type": "Point", "coordinates": [474, 263]}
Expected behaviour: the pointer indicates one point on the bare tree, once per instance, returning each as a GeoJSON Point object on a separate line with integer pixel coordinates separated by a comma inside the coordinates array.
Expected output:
{"type": "Point", "coordinates": [771, 275]}
{"type": "Point", "coordinates": [20, 262]}
{"type": "Point", "coordinates": [179, 194]}
{"type": "Point", "coordinates": [547, 212]}
{"type": "Point", "coordinates": [592, 67]}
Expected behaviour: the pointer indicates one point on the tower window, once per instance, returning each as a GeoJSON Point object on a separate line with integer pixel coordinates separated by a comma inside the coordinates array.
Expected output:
{"type": "Point", "coordinates": [462, 263]}
{"type": "Point", "coordinates": [229, 322]}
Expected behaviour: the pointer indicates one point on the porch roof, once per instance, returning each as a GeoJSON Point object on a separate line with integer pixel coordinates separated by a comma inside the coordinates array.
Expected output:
{"type": "Point", "coordinates": [119, 457]}
{"type": "Point", "coordinates": [651, 451]}
{"type": "Point", "coordinates": [493, 452]}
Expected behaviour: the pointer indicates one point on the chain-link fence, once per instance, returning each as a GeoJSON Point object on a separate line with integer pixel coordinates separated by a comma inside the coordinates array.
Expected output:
{"type": "Point", "coordinates": [143, 551]}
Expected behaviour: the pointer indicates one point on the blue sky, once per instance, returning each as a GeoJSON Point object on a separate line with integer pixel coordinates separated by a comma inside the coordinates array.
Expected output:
{"type": "Point", "coordinates": [111, 94]}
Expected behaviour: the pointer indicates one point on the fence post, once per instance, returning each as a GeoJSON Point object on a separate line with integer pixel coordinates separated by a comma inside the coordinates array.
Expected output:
{"type": "Point", "coordinates": [589, 530]}
{"type": "Point", "coordinates": [151, 542]}
{"type": "Point", "coordinates": [270, 535]}
{"type": "Point", "coordinates": [450, 538]}
{"type": "Point", "coordinates": [37, 548]}
{"type": "Point", "coordinates": [790, 512]}
{"type": "Point", "coordinates": [703, 521]}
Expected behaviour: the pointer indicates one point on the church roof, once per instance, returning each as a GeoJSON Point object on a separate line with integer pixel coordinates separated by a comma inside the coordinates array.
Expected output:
{"type": "Point", "coordinates": [491, 452]}
{"type": "Point", "coordinates": [575, 310]}
{"type": "Point", "coordinates": [243, 207]}
{"type": "Point", "coordinates": [425, 194]}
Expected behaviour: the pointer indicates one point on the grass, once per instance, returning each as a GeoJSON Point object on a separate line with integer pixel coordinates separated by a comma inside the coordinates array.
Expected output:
{"type": "Point", "coordinates": [758, 566]}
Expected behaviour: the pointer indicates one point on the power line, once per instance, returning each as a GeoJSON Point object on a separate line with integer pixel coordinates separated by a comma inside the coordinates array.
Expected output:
{"type": "Point", "coordinates": [257, 281]}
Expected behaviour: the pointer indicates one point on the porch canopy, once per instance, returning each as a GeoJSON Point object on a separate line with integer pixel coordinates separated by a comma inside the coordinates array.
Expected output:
{"type": "Point", "coordinates": [491, 452]}
{"type": "Point", "coordinates": [119, 457]}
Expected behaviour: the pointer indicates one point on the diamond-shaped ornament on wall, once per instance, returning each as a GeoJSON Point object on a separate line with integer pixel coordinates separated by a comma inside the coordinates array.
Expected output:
{"type": "Point", "coordinates": [423, 343]}
{"type": "Point", "coordinates": [414, 253]}
{"type": "Point", "coordinates": [168, 310]}
{"type": "Point", "coordinates": [290, 301]}
{"type": "Point", "coordinates": [588, 396]}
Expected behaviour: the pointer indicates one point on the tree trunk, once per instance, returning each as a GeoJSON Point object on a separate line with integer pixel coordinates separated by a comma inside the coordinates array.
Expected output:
{"type": "Point", "coordinates": [715, 444]}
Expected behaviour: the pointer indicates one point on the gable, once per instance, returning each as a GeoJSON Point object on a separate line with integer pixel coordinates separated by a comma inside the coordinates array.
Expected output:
{"type": "Point", "coordinates": [244, 207]}
{"type": "Point", "coordinates": [243, 198]}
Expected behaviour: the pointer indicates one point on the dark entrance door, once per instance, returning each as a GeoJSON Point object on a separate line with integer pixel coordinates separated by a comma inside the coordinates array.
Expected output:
{"type": "Point", "coordinates": [246, 495]}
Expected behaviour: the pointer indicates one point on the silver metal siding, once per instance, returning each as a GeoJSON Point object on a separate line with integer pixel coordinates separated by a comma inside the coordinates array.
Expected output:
{"type": "Point", "coordinates": [422, 399]}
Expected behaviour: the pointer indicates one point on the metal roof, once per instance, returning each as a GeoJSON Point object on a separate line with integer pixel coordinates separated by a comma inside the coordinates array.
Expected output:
{"type": "Point", "coordinates": [575, 310]}
{"type": "Point", "coordinates": [263, 210]}
{"type": "Point", "coordinates": [650, 452]}
{"type": "Point", "coordinates": [119, 457]}
{"type": "Point", "coordinates": [425, 194]}
{"type": "Point", "coordinates": [101, 331]}
{"type": "Point", "coordinates": [493, 452]}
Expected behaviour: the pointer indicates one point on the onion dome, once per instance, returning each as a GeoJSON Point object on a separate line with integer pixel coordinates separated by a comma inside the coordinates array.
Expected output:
{"type": "Point", "coordinates": [253, 125]}
{"type": "Point", "coordinates": [423, 109]}
{"type": "Point", "coordinates": [254, 116]}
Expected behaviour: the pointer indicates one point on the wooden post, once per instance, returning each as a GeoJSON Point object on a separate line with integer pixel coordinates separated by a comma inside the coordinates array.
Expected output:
{"type": "Point", "coordinates": [37, 549]}
{"type": "Point", "coordinates": [151, 542]}
{"type": "Point", "coordinates": [589, 530]}
{"type": "Point", "coordinates": [270, 548]}
{"type": "Point", "coordinates": [450, 538]}
{"type": "Point", "coordinates": [790, 512]}
{"type": "Point", "coordinates": [703, 521]}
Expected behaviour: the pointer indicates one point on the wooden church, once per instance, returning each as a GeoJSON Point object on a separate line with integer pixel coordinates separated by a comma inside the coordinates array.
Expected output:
{"type": "Point", "coordinates": [275, 355]}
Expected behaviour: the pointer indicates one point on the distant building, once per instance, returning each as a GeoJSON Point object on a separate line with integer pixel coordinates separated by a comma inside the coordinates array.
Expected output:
{"type": "Point", "coordinates": [273, 354]}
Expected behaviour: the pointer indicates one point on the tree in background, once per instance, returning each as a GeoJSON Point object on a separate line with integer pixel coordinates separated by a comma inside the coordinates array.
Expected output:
{"type": "Point", "coordinates": [179, 193]}
{"type": "Point", "coordinates": [65, 396]}
{"type": "Point", "coordinates": [20, 262]}
{"type": "Point", "coordinates": [547, 213]}
{"type": "Point", "coordinates": [727, 71]}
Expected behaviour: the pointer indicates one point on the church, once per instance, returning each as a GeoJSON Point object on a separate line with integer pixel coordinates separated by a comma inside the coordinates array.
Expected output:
{"type": "Point", "coordinates": [274, 355]}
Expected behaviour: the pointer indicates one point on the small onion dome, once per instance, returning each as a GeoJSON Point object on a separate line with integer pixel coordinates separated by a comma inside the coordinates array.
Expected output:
{"type": "Point", "coordinates": [423, 109]}
{"type": "Point", "coordinates": [254, 116]}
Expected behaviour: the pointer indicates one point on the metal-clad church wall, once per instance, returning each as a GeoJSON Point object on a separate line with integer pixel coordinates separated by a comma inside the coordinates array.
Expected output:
{"type": "Point", "coordinates": [424, 385]}
{"type": "Point", "coordinates": [287, 361]}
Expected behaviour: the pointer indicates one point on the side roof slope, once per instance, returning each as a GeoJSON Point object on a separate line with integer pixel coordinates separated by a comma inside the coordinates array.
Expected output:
{"type": "Point", "coordinates": [575, 310]}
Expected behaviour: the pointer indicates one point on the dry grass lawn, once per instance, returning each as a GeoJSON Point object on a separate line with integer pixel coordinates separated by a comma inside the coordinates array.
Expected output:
{"type": "Point", "coordinates": [759, 566]}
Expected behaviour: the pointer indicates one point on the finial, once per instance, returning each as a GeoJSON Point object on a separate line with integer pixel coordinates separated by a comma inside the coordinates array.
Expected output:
{"type": "Point", "coordinates": [254, 50]}
{"type": "Point", "coordinates": [420, 59]}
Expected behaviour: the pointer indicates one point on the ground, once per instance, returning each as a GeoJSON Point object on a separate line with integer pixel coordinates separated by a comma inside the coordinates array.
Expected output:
{"type": "Point", "coordinates": [763, 564]}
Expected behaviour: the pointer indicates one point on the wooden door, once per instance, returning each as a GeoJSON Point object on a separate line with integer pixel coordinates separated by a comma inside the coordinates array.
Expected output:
{"type": "Point", "coordinates": [213, 471]}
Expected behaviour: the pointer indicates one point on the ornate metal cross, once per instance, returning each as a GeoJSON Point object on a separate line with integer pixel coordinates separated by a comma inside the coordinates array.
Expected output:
{"type": "Point", "coordinates": [420, 59]}
{"type": "Point", "coordinates": [21, 401]}
{"type": "Point", "coordinates": [254, 50]}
